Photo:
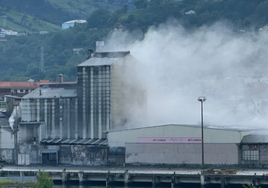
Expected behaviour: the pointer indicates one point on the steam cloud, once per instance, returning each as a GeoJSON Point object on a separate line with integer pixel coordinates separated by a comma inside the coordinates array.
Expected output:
{"type": "Point", "coordinates": [176, 66]}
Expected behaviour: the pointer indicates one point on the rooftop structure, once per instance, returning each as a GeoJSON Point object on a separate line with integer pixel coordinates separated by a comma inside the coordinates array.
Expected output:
{"type": "Point", "coordinates": [19, 88]}
{"type": "Point", "coordinates": [71, 23]}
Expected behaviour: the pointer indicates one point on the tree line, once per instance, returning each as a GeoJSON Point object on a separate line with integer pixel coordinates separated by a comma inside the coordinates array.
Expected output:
{"type": "Point", "coordinates": [20, 56]}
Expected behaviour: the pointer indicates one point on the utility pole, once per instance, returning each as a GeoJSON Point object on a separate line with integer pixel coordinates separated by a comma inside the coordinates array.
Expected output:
{"type": "Point", "coordinates": [42, 62]}
{"type": "Point", "coordinates": [202, 178]}
{"type": "Point", "coordinates": [202, 100]}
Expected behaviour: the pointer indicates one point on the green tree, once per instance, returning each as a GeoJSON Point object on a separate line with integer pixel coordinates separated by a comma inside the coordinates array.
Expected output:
{"type": "Point", "coordinates": [99, 18]}
{"type": "Point", "coordinates": [250, 186]}
{"type": "Point", "coordinates": [80, 38]}
{"type": "Point", "coordinates": [153, 3]}
{"type": "Point", "coordinates": [141, 4]}
{"type": "Point", "coordinates": [43, 180]}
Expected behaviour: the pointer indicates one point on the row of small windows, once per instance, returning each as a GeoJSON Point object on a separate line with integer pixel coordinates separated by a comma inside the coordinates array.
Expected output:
{"type": "Point", "coordinates": [14, 91]}
{"type": "Point", "coordinates": [250, 155]}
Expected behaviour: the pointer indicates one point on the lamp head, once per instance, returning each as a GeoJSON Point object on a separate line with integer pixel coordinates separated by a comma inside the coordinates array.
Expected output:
{"type": "Point", "coordinates": [202, 99]}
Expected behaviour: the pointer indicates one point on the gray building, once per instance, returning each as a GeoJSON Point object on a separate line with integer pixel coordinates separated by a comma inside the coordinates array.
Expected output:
{"type": "Point", "coordinates": [104, 96]}
{"type": "Point", "coordinates": [67, 123]}
{"type": "Point", "coordinates": [178, 144]}
{"type": "Point", "coordinates": [254, 149]}
{"type": "Point", "coordinates": [54, 108]}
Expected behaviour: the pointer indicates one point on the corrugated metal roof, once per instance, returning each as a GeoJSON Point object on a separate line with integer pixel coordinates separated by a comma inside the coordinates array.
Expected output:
{"type": "Point", "coordinates": [51, 93]}
{"type": "Point", "coordinates": [255, 138]}
{"type": "Point", "coordinates": [22, 85]}
{"type": "Point", "coordinates": [219, 127]}
{"type": "Point", "coordinates": [75, 21]}
{"type": "Point", "coordinates": [98, 61]}
{"type": "Point", "coordinates": [77, 141]}
{"type": "Point", "coordinates": [19, 85]}
{"type": "Point", "coordinates": [28, 85]}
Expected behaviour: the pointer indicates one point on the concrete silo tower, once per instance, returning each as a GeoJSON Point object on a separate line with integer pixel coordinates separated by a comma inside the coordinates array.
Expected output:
{"type": "Point", "coordinates": [104, 93]}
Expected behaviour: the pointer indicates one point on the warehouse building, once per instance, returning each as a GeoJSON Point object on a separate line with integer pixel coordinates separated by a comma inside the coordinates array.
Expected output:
{"type": "Point", "coordinates": [178, 144]}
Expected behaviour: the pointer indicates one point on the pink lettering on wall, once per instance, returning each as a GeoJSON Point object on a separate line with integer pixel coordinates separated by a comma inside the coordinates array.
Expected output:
{"type": "Point", "coordinates": [169, 139]}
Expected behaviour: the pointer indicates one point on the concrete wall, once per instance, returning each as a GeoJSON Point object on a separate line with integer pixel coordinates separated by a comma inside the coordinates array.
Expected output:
{"type": "Point", "coordinates": [29, 154]}
{"type": "Point", "coordinates": [86, 155]}
{"type": "Point", "coordinates": [7, 155]}
{"type": "Point", "coordinates": [119, 138]}
{"type": "Point", "coordinates": [7, 140]}
{"type": "Point", "coordinates": [181, 153]}
{"type": "Point", "coordinates": [29, 133]}
{"type": "Point", "coordinates": [59, 115]}
{"type": "Point", "coordinates": [82, 155]}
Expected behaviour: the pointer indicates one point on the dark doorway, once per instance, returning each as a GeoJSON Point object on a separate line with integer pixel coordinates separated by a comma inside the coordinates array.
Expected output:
{"type": "Point", "coordinates": [50, 158]}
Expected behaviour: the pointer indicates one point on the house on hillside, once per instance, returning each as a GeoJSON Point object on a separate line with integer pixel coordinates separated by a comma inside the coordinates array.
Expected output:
{"type": "Point", "coordinates": [71, 23]}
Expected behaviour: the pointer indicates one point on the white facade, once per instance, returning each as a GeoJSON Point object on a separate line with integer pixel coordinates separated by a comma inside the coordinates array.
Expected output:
{"type": "Point", "coordinates": [71, 23]}
{"type": "Point", "coordinates": [211, 135]}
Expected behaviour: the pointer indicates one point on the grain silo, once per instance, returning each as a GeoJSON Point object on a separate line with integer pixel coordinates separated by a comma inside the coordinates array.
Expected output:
{"type": "Point", "coordinates": [103, 92]}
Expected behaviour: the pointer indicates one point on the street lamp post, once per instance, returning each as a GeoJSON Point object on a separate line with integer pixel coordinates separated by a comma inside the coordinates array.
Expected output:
{"type": "Point", "coordinates": [202, 100]}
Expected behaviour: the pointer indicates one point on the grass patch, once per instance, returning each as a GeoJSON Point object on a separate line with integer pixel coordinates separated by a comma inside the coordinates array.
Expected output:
{"type": "Point", "coordinates": [8, 183]}
{"type": "Point", "coordinates": [14, 20]}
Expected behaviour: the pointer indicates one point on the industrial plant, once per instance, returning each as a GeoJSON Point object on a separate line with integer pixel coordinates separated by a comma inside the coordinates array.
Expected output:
{"type": "Point", "coordinates": [86, 123]}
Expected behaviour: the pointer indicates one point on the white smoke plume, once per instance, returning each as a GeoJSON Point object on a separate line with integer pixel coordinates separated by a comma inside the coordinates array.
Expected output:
{"type": "Point", "coordinates": [177, 66]}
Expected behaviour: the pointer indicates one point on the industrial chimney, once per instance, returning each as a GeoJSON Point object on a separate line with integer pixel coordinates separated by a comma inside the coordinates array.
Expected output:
{"type": "Point", "coordinates": [90, 53]}
{"type": "Point", "coordinates": [99, 46]}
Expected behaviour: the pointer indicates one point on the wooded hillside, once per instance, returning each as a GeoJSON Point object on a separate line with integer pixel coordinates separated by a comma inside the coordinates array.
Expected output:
{"type": "Point", "coordinates": [20, 56]}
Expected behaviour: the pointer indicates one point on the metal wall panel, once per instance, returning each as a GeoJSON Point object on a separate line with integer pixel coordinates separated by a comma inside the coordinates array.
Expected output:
{"type": "Point", "coordinates": [181, 153]}
{"type": "Point", "coordinates": [119, 138]}
{"type": "Point", "coordinates": [94, 100]}
{"type": "Point", "coordinates": [57, 113]}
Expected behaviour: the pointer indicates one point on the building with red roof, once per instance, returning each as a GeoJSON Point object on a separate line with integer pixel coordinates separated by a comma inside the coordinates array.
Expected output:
{"type": "Point", "coordinates": [19, 88]}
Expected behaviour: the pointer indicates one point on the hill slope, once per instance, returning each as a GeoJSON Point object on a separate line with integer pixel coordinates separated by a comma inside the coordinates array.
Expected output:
{"type": "Point", "coordinates": [20, 56]}
{"type": "Point", "coordinates": [32, 15]}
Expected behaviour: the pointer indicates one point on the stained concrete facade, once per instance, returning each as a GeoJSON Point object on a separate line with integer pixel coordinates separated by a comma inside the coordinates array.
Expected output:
{"type": "Point", "coordinates": [105, 93]}
{"type": "Point", "coordinates": [29, 154]}
{"type": "Point", "coordinates": [7, 146]}
{"type": "Point", "coordinates": [67, 123]}
{"type": "Point", "coordinates": [83, 155]}
{"type": "Point", "coordinates": [179, 154]}
{"type": "Point", "coordinates": [49, 112]}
